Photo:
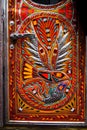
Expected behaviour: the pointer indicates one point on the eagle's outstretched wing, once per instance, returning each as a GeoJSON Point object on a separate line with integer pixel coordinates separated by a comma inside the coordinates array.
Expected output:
{"type": "Point", "coordinates": [33, 49]}
{"type": "Point", "coordinates": [64, 49]}
{"type": "Point", "coordinates": [38, 52]}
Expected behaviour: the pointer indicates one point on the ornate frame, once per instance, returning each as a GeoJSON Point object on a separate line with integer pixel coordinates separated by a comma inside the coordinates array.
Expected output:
{"type": "Point", "coordinates": [7, 121]}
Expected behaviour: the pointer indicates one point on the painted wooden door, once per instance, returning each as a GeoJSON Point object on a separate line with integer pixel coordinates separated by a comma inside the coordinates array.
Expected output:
{"type": "Point", "coordinates": [45, 74]}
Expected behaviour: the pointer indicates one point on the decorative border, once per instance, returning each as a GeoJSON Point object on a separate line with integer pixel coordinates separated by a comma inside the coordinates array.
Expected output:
{"type": "Point", "coordinates": [43, 7]}
{"type": "Point", "coordinates": [82, 59]}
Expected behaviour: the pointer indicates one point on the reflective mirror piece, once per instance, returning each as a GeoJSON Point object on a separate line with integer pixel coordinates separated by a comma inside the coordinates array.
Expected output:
{"type": "Point", "coordinates": [45, 58]}
{"type": "Point", "coordinates": [46, 2]}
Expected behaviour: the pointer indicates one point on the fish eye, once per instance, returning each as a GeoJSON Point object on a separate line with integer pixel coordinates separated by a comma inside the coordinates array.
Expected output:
{"type": "Point", "coordinates": [41, 51]}
{"type": "Point", "coordinates": [55, 51]}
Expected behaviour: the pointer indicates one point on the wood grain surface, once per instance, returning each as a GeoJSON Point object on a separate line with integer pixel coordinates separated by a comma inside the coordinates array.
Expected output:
{"type": "Point", "coordinates": [1, 71]}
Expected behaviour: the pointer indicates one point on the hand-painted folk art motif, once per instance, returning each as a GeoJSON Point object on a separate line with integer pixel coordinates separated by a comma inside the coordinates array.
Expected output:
{"type": "Point", "coordinates": [46, 80]}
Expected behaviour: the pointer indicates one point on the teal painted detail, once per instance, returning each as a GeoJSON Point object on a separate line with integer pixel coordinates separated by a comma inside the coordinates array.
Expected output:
{"type": "Point", "coordinates": [70, 47]}
{"type": "Point", "coordinates": [69, 86]}
{"type": "Point", "coordinates": [34, 65]}
{"type": "Point", "coordinates": [22, 51]}
{"type": "Point", "coordinates": [49, 76]}
{"type": "Point", "coordinates": [51, 91]}
{"type": "Point", "coordinates": [70, 78]}
{"type": "Point", "coordinates": [22, 44]}
{"type": "Point", "coordinates": [56, 79]}
{"type": "Point", "coordinates": [70, 55]}
{"type": "Point", "coordinates": [64, 95]}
